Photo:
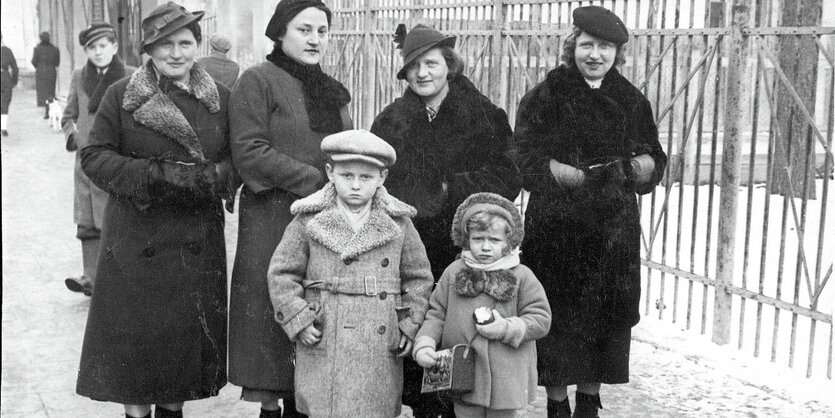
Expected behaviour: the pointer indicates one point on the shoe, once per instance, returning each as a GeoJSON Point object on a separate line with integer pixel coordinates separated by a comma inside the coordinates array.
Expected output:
{"type": "Point", "coordinates": [5, 132]}
{"type": "Point", "coordinates": [559, 409]}
{"type": "Point", "coordinates": [46, 116]}
{"type": "Point", "coordinates": [587, 405]}
{"type": "Point", "coordinates": [81, 284]}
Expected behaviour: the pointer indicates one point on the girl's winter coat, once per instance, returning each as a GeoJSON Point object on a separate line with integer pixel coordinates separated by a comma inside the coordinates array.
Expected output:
{"type": "Point", "coordinates": [362, 290]}
{"type": "Point", "coordinates": [156, 330]}
{"type": "Point", "coordinates": [279, 159]}
{"type": "Point", "coordinates": [505, 371]}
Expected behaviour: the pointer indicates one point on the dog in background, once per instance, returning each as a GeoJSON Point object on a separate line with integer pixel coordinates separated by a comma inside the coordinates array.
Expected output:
{"type": "Point", "coordinates": [55, 111]}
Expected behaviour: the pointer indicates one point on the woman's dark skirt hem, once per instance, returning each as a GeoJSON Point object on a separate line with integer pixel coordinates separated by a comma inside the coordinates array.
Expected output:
{"type": "Point", "coordinates": [119, 398]}
{"type": "Point", "coordinates": [564, 359]}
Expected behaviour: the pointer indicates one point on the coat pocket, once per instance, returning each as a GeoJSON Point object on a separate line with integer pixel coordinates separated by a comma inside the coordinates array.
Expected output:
{"type": "Point", "coordinates": [367, 325]}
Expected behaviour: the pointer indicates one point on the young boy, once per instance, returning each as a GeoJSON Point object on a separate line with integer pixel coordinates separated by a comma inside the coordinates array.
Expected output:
{"type": "Point", "coordinates": [487, 284]}
{"type": "Point", "coordinates": [350, 284]}
{"type": "Point", "coordinates": [87, 88]}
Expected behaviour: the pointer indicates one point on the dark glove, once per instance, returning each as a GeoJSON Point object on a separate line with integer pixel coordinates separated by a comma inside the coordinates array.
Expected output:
{"type": "Point", "coordinates": [188, 180]}
{"type": "Point", "coordinates": [605, 171]}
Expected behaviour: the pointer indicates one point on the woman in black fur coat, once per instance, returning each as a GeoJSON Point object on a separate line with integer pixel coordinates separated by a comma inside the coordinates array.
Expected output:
{"type": "Point", "coordinates": [588, 143]}
{"type": "Point", "coordinates": [451, 142]}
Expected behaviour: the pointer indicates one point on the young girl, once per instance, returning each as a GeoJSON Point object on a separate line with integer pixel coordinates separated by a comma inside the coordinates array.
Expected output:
{"type": "Point", "coordinates": [488, 275]}
{"type": "Point", "coordinates": [350, 283]}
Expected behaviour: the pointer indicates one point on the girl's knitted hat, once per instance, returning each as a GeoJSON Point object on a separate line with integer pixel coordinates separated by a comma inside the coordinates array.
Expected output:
{"type": "Point", "coordinates": [492, 203]}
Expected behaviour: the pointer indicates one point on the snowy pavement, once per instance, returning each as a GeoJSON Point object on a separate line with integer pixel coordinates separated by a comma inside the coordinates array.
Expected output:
{"type": "Point", "coordinates": [674, 373]}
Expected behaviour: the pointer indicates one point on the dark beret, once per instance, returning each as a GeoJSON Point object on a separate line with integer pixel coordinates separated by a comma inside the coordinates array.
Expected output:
{"type": "Point", "coordinates": [286, 10]}
{"type": "Point", "coordinates": [602, 23]}
{"type": "Point", "coordinates": [94, 32]}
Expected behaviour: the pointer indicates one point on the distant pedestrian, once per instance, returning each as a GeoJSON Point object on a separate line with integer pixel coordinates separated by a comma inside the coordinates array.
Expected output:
{"type": "Point", "coordinates": [350, 283]}
{"type": "Point", "coordinates": [588, 143]}
{"type": "Point", "coordinates": [217, 64]}
{"type": "Point", "coordinates": [279, 112]}
{"type": "Point", "coordinates": [156, 330]}
{"type": "Point", "coordinates": [8, 81]}
{"type": "Point", "coordinates": [103, 68]}
{"type": "Point", "coordinates": [46, 58]}
{"type": "Point", "coordinates": [489, 301]}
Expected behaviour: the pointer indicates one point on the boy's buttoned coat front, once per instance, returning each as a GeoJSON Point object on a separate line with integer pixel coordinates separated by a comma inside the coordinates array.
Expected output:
{"type": "Point", "coordinates": [345, 283]}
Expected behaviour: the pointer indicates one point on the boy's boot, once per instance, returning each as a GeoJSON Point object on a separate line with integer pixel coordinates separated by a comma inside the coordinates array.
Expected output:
{"type": "Point", "coordinates": [290, 409]}
{"type": "Point", "coordinates": [270, 414]}
{"type": "Point", "coordinates": [559, 409]}
{"type": "Point", "coordinates": [161, 412]}
{"type": "Point", "coordinates": [587, 405]}
{"type": "Point", "coordinates": [131, 416]}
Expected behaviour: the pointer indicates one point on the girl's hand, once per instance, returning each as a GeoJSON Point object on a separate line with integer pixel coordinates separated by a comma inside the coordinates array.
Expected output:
{"type": "Point", "coordinates": [309, 336]}
{"type": "Point", "coordinates": [405, 346]}
{"type": "Point", "coordinates": [426, 357]}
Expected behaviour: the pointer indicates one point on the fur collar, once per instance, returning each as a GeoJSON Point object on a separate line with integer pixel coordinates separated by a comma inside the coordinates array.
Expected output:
{"type": "Point", "coordinates": [501, 285]}
{"type": "Point", "coordinates": [153, 108]}
{"type": "Point", "coordinates": [95, 84]}
{"type": "Point", "coordinates": [330, 228]}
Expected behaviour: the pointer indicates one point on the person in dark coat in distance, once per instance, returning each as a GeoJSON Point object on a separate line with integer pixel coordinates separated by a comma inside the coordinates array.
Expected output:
{"type": "Point", "coordinates": [217, 64]}
{"type": "Point", "coordinates": [45, 58]}
{"type": "Point", "coordinates": [8, 81]}
{"type": "Point", "coordinates": [451, 142]}
{"type": "Point", "coordinates": [102, 68]}
{"type": "Point", "coordinates": [588, 143]}
{"type": "Point", "coordinates": [156, 330]}
{"type": "Point", "coordinates": [280, 112]}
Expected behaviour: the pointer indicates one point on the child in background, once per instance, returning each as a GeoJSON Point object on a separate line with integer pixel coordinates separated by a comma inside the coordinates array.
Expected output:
{"type": "Point", "coordinates": [350, 284]}
{"type": "Point", "coordinates": [488, 275]}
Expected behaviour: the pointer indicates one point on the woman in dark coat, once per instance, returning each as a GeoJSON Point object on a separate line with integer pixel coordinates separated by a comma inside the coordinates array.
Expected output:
{"type": "Point", "coordinates": [46, 58]}
{"type": "Point", "coordinates": [8, 81]}
{"type": "Point", "coordinates": [451, 142]}
{"type": "Point", "coordinates": [156, 331]}
{"type": "Point", "coordinates": [280, 111]}
{"type": "Point", "coordinates": [588, 143]}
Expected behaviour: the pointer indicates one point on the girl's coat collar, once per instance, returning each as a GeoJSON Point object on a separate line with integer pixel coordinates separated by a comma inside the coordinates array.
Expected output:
{"type": "Point", "coordinates": [501, 285]}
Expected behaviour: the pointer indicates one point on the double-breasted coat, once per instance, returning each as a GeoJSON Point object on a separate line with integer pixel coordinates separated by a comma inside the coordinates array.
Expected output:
{"type": "Point", "coordinates": [45, 58]}
{"type": "Point", "coordinates": [279, 160]}
{"type": "Point", "coordinates": [156, 330]}
{"type": "Point", "coordinates": [364, 289]}
{"type": "Point", "coordinates": [584, 244]}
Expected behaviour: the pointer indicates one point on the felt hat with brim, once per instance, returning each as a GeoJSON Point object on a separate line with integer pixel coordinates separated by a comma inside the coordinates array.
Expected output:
{"type": "Point", "coordinates": [419, 40]}
{"type": "Point", "coordinates": [602, 23]}
{"type": "Point", "coordinates": [95, 32]}
{"type": "Point", "coordinates": [165, 20]}
{"type": "Point", "coordinates": [359, 145]}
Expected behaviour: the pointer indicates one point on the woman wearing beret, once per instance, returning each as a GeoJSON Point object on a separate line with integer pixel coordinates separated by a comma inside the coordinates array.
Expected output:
{"type": "Point", "coordinates": [156, 331]}
{"type": "Point", "coordinates": [451, 142]}
{"type": "Point", "coordinates": [281, 110]}
{"type": "Point", "coordinates": [588, 143]}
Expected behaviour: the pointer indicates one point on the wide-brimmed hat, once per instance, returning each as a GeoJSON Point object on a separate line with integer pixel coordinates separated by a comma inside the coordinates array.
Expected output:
{"type": "Point", "coordinates": [602, 23]}
{"type": "Point", "coordinates": [165, 20]}
{"type": "Point", "coordinates": [419, 40]}
{"type": "Point", "coordinates": [94, 32]}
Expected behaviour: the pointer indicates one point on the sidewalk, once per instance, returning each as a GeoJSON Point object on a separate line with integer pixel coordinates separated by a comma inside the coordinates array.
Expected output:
{"type": "Point", "coordinates": [43, 323]}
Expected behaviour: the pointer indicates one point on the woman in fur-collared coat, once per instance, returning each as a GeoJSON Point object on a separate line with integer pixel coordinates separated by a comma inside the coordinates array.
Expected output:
{"type": "Point", "coordinates": [451, 142]}
{"type": "Point", "coordinates": [588, 143]}
{"type": "Point", "coordinates": [156, 331]}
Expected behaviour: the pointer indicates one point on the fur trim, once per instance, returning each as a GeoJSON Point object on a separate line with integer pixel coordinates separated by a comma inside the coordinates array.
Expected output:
{"type": "Point", "coordinates": [95, 85]}
{"type": "Point", "coordinates": [329, 227]}
{"type": "Point", "coordinates": [500, 284]}
{"type": "Point", "coordinates": [517, 227]}
{"type": "Point", "coordinates": [153, 108]}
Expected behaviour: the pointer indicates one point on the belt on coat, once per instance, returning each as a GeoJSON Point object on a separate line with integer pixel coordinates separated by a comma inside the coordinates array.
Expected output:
{"type": "Point", "coordinates": [366, 285]}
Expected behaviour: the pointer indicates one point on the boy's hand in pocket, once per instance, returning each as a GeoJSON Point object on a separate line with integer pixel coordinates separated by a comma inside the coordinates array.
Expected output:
{"type": "Point", "coordinates": [309, 336]}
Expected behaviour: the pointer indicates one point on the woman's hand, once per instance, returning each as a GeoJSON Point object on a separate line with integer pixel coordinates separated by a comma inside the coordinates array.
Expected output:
{"type": "Point", "coordinates": [566, 175]}
{"type": "Point", "coordinates": [309, 336]}
{"type": "Point", "coordinates": [426, 357]}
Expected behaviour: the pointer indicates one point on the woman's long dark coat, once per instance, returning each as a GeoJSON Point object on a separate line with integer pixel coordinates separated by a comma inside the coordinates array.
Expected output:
{"type": "Point", "coordinates": [156, 331]}
{"type": "Point", "coordinates": [584, 244]}
{"type": "Point", "coordinates": [45, 59]}
{"type": "Point", "coordinates": [8, 78]}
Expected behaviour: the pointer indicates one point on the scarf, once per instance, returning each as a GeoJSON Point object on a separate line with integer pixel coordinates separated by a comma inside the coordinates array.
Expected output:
{"type": "Point", "coordinates": [324, 96]}
{"type": "Point", "coordinates": [507, 262]}
{"type": "Point", "coordinates": [96, 84]}
{"type": "Point", "coordinates": [355, 219]}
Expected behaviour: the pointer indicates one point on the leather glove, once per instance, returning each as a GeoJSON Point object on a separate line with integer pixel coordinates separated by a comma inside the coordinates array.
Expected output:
{"type": "Point", "coordinates": [189, 180]}
{"type": "Point", "coordinates": [426, 357]}
{"type": "Point", "coordinates": [495, 330]}
{"type": "Point", "coordinates": [605, 170]}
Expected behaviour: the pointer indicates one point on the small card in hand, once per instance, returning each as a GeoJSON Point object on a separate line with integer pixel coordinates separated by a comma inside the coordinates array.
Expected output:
{"type": "Point", "coordinates": [454, 371]}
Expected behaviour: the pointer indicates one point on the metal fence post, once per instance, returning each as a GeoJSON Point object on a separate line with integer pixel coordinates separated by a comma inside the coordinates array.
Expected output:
{"type": "Point", "coordinates": [736, 104]}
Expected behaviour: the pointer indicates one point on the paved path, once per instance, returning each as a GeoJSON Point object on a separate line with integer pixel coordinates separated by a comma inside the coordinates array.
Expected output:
{"type": "Point", "coordinates": [43, 323]}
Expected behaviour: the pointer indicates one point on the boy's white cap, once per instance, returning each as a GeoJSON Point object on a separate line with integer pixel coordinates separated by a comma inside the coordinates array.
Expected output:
{"type": "Point", "coordinates": [359, 145]}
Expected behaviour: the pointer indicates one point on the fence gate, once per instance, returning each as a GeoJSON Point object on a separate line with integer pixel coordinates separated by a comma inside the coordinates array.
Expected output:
{"type": "Point", "coordinates": [735, 239]}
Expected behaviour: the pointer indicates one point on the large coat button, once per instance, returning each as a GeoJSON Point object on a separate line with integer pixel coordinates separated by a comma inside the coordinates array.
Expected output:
{"type": "Point", "coordinates": [348, 261]}
{"type": "Point", "coordinates": [279, 316]}
{"type": "Point", "coordinates": [149, 252]}
{"type": "Point", "coordinates": [385, 262]}
{"type": "Point", "coordinates": [383, 295]}
{"type": "Point", "coordinates": [381, 330]}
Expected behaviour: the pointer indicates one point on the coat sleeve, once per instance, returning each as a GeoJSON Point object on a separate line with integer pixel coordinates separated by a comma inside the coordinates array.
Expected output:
{"type": "Point", "coordinates": [533, 158]}
{"type": "Point", "coordinates": [101, 160]}
{"type": "Point", "coordinates": [13, 68]}
{"type": "Point", "coordinates": [433, 325]}
{"type": "Point", "coordinates": [35, 58]}
{"type": "Point", "coordinates": [497, 171]}
{"type": "Point", "coordinates": [288, 267]}
{"type": "Point", "coordinates": [68, 121]}
{"type": "Point", "coordinates": [648, 138]}
{"type": "Point", "coordinates": [415, 281]}
{"type": "Point", "coordinates": [260, 165]}
{"type": "Point", "coordinates": [533, 318]}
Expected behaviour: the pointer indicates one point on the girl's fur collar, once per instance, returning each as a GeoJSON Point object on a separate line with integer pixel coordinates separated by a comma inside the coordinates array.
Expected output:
{"type": "Point", "coordinates": [328, 227]}
{"type": "Point", "coordinates": [153, 108]}
{"type": "Point", "coordinates": [501, 285]}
